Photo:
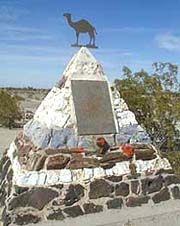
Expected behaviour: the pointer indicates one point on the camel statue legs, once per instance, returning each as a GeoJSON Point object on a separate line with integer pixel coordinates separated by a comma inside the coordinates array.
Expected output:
{"type": "Point", "coordinates": [92, 38]}
{"type": "Point", "coordinates": [77, 39]}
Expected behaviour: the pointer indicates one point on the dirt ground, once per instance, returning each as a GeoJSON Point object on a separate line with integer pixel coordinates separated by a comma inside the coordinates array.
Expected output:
{"type": "Point", "coordinates": [6, 137]}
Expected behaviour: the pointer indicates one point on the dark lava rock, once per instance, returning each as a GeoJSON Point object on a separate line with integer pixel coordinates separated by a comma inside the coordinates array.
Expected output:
{"type": "Point", "coordinates": [39, 164]}
{"type": "Point", "coordinates": [9, 175]}
{"type": "Point", "coordinates": [36, 197]}
{"type": "Point", "coordinates": [5, 169]}
{"type": "Point", "coordinates": [114, 157]}
{"type": "Point", "coordinates": [171, 179]}
{"type": "Point", "coordinates": [114, 178]}
{"type": "Point", "coordinates": [3, 194]}
{"type": "Point", "coordinates": [163, 195]}
{"type": "Point", "coordinates": [92, 208]}
{"type": "Point", "coordinates": [100, 188]}
{"type": "Point", "coordinates": [135, 186]}
{"type": "Point", "coordinates": [137, 201]}
{"type": "Point", "coordinates": [122, 189]}
{"type": "Point", "coordinates": [20, 190]}
{"type": "Point", "coordinates": [145, 154]}
{"type": "Point", "coordinates": [107, 165]}
{"type": "Point", "coordinates": [74, 194]}
{"type": "Point", "coordinates": [165, 171]}
{"type": "Point", "coordinates": [9, 188]}
{"type": "Point", "coordinates": [90, 162]}
{"type": "Point", "coordinates": [57, 162]}
{"type": "Point", "coordinates": [140, 146]}
{"type": "Point", "coordinates": [58, 186]}
{"type": "Point", "coordinates": [175, 192]}
{"type": "Point", "coordinates": [58, 202]}
{"type": "Point", "coordinates": [73, 211]}
{"type": "Point", "coordinates": [3, 161]}
{"type": "Point", "coordinates": [50, 151]}
{"type": "Point", "coordinates": [76, 162]}
{"type": "Point", "coordinates": [23, 219]}
{"type": "Point", "coordinates": [115, 203]}
{"type": "Point", "coordinates": [24, 146]}
{"type": "Point", "coordinates": [55, 214]}
{"type": "Point", "coordinates": [5, 218]}
{"type": "Point", "coordinates": [150, 185]}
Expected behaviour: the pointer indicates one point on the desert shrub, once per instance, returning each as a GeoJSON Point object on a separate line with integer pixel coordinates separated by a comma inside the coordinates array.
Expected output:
{"type": "Point", "coordinates": [9, 109]}
{"type": "Point", "coordinates": [155, 100]}
{"type": "Point", "coordinates": [174, 159]}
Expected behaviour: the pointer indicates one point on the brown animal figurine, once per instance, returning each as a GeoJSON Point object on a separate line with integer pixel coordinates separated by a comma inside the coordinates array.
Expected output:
{"type": "Point", "coordinates": [82, 26]}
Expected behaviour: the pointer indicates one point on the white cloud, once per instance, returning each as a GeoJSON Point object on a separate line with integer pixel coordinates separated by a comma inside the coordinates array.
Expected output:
{"type": "Point", "coordinates": [168, 41]}
{"type": "Point", "coordinates": [33, 58]}
{"type": "Point", "coordinates": [131, 30]}
{"type": "Point", "coordinates": [15, 54]}
{"type": "Point", "coordinates": [16, 33]}
{"type": "Point", "coordinates": [7, 14]}
{"type": "Point", "coordinates": [116, 51]}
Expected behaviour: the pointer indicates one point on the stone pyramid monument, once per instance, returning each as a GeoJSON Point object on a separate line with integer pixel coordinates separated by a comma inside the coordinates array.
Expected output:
{"type": "Point", "coordinates": [80, 106]}
{"type": "Point", "coordinates": [66, 162]}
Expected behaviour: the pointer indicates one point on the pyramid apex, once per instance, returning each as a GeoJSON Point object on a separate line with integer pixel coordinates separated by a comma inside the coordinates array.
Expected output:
{"type": "Point", "coordinates": [85, 54]}
{"type": "Point", "coordinates": [84, 66]}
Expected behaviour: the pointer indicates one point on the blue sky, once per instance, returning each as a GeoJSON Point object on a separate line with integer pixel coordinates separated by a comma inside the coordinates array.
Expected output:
{"type": "Point", "coordinates": [35, 38]}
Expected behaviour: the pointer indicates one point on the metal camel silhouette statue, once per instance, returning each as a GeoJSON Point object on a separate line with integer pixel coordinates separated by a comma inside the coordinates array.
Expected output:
{"type": "Point", "coordinates": [82, 26]}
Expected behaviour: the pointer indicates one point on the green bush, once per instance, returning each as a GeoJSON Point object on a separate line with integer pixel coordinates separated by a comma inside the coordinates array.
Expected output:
{"type": "Point", "coordinates": [174, 159]}
{"type": "Point", "coordinates": [9, 109]}
{"type": "Point", "coordinates": [155, 100]}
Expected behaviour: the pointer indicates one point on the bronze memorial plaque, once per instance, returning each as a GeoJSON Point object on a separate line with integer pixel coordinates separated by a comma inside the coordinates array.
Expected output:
{"type": "Point", "coordinates": [93, 107]}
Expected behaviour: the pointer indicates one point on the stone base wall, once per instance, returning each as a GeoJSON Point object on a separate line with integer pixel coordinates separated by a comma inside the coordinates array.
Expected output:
{"type": "Point", "coordinates": [22, 205]}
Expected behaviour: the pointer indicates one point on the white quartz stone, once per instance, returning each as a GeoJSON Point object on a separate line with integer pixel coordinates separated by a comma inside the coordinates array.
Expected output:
{"type": "Point", "coordinates": [99, 172]}
{"type": "Point", "coordinates": [155, 164]}
{"type": "Point", "coordinates": [50, 177]}
{"type": "Point", "coordinates": [33, 178]}
{"type": "Point", "coordinates": [65, 176]}
{"type": "Point", "coordinates": [53, 177]}
{"type": "Point", "coordinates": [117, 101]}
{"type": "Point", "coordinates": [22, 180]}
{"type": "Point", "coordinates": [54, 110]}
{"type": "Point", "coordinates": [17, 169]}
{"type": "Point", "coordinates": [109, 172]}
{"type": "Point", "coordinates": [77, 175]}
{"type": "Point", "coordinates": [84, 66]}
{"type": "Point", "coordinates": [42, 178]}
{"type": "Point", "coordinates": [121, 168]}
{"type": "Point", "coordinates": [88, 173]}
{"type": "Point", "coordinates": [126, 118]}
{"type": "Point", "coordinates": [11, 151]}
{"type": "Point", "coordinates": [28, 179]}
